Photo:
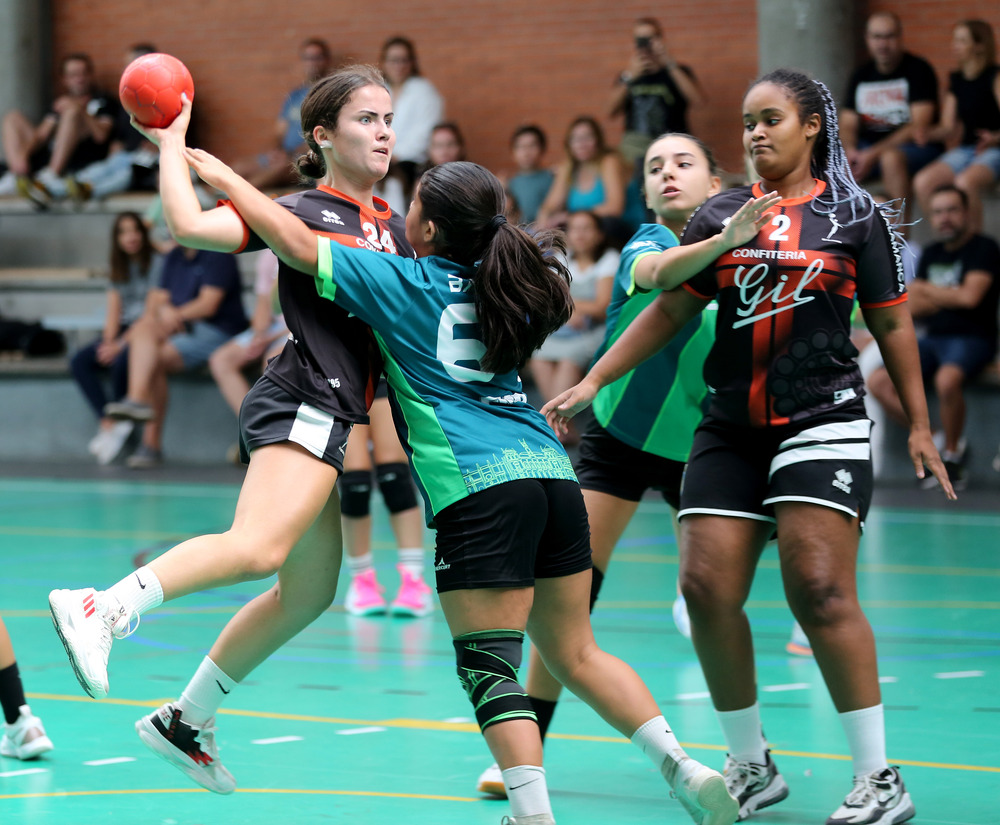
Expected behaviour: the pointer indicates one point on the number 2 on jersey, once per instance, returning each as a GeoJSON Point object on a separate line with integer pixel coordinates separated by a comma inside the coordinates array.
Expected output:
{"type": "Point", "coordinates": [783, 222]}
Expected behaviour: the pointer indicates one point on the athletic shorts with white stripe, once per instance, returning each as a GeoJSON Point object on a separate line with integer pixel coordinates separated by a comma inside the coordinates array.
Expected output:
{"type": "Point", "coordinates": [744, 471]}
{"type": "Point", "coordinates": [270, 415]}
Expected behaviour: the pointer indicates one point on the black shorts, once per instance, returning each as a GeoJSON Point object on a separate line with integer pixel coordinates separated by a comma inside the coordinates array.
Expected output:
{"type": "Point", "coordinates": [607, 465]}
{"type": "Point", "coordinates": [382, 388]}
{"type": "Point", "coordinates": [743, 471]}
{"type": "Point", "coordinates": [270, 415]}
{"type": "Point", "coordinates": [511, 534]}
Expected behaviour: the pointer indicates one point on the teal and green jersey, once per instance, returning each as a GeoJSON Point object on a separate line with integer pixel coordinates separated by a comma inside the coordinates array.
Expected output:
{"type": "Point", "coordinates": [464, 429]}
{"type": "Point", "coordinates": [657, 406]}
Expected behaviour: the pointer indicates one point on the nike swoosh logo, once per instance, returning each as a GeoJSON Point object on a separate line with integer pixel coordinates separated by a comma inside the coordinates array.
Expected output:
{"type": "Point", "coordinates": [523, 784]}
{"type": "Point", "coordinates": [141, 585]}
{"type": "Point", "coordinates": [227, 692]}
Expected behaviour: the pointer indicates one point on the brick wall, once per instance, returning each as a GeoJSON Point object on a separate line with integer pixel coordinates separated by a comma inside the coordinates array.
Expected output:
{"type": "Point", "coordinates": [497, 64]}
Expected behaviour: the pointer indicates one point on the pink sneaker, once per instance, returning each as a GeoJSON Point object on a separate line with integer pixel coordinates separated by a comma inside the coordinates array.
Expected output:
{"type": "Point", "coordinates": [364, 596]}
{"type": "Point", "coordinates": [414, 598]}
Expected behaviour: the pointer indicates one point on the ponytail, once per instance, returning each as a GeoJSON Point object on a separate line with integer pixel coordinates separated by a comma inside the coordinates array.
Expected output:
{"type": "Point", "coordinates": [521, 285]}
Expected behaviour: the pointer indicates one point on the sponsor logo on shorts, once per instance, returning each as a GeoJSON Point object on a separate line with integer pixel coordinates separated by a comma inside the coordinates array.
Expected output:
{"type": "Point", "coordinates": [843, 480]}
{"type": "Point", "coordinates": [840, 396]}
{"type": "Point", "coordinates": [441, 566]}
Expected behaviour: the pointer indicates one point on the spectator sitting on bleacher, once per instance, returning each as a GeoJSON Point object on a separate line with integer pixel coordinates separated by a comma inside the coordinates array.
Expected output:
{"type": "Point", "coordinates": [76, 132]}
{"type": "Point", "coordinates": [131, 162]}
{"type": "Point", "coordinates": [134, 269]}
{"type": "Point", "coordinates": [274, 168]}
{"type": "Point", "coordinates": [194, 310]}
{"type": "Point", "coordinates": [532, 181]}
{"type": "Point", "coordinates": [257, 345]}
{"type": "Point", "coordinates": [590, 178]}
{"type": "Point", "coordinates": [890, 106]}
{"type": "Point", "coordinates": [954, 298]}
{"type": "Point", "coordinates": [970, 122]}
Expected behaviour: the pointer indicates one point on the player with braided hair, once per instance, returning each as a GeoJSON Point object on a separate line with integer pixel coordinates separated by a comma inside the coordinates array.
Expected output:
{"type": "Point", "coordinates": [785, 441]}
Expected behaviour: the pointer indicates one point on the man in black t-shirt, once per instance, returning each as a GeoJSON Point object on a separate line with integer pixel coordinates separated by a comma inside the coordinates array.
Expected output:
{"type": "Point", "coordinates": [76, 132]}
{"type": "Point", "coordinates": [654, 93]}
{"type": "Point", "coordinates": [954, 300]}
{"type": "Point", "coordinates": [890, 104]}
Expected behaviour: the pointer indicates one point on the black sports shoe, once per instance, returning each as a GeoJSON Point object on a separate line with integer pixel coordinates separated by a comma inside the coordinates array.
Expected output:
{"type": "Point", "coordinates": [190, 748]}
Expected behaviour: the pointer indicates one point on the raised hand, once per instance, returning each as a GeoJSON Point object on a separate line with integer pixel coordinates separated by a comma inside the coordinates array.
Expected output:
{"type": "Point", "coordinates": [210, 169]}
{"type": "Point", "coordinates": [749, 218]}
{"type": "Point", "coordinates": [564, 406]}
{"type": "Point", "coordinates": [177, 129]}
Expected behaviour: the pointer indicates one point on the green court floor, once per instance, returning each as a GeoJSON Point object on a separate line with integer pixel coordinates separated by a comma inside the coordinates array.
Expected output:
{"type": "Point", "coordinates": [363, 721]}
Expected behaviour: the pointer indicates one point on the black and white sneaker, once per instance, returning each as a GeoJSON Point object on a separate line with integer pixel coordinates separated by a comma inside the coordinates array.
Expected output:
{"type": "Point", "coordinates": [878, 798]}
{"type": "Point", "coordinates": [190, 748]}
{"type": "Point", "coordinates": [754, 786]}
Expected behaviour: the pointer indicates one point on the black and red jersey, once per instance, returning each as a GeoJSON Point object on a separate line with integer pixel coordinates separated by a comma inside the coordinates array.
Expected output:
{"type": "Point", "coordinates": [331, 360]}
{"type": "Point", "coordinates": [783, 351]}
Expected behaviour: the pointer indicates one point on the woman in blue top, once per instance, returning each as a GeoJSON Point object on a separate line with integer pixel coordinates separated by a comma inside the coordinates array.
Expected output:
{"type": "Point", "coordinates": [453, 327]}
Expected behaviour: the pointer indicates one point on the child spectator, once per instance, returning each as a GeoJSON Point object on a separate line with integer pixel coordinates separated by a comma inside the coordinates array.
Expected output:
{"type": "Point", "coordinates": [531, 183]}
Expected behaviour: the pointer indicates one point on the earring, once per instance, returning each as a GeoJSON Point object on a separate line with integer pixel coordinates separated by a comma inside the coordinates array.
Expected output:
{"type": "Point", "coordinates": [325, 144]}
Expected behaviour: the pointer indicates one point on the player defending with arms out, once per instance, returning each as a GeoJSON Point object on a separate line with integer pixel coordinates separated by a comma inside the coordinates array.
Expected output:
{"type": "Point", "coordinates": [294, 425]}
{"type": "Point", "coordinates": [786, 442]}
{"type": "Point", "coordinates": [513, 550]}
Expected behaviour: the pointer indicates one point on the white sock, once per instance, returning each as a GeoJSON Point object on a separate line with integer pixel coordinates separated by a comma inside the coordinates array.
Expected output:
{"type": "Point", "coordinates": [209, 686]}
{"type": "Point", "coordinates": [360, 564]}
{"type": "Point", "coordinates": [657, 741]}
{"type": "Point", "coordinates": [412, 560]}
{"type": "Point", "coordinates": [527, 791]}
{"type": "Point", "coordinates": [865, 731]}
{"type": "Point", "coordinates": [139, 591]}
{"type": "Point", "coordinates": [741, 729]}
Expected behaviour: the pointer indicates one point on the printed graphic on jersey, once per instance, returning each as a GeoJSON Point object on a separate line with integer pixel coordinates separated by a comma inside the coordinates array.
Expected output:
{"type": "Point", "coordinates": [812, 373]}
{"type": "Point", "coordinates": [330, 216]}
{"type": "Point", "coordinates": [510, 465]}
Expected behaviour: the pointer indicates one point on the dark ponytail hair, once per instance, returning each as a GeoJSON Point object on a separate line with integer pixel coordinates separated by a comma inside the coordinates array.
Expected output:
{"type": "Point", "coordinates": [322, 106]}
{"type": "Point", "coordinates": [521, 283]}
{"type": "Point", "coordinates": [829, 161]}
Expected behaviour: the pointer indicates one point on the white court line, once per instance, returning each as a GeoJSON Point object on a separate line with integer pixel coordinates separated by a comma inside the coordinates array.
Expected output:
{"type": "Point", "coordinates": [24, 772]}
{"type": "Point", "coordinates": [276, 740]}
{"type": "Point", "coordinates": [117, 760]}
{"type": "Point", "coordinates": [781, 688]}
{"type": "Point", "coordinates": [704, 694]}
{"type": "Point", "coordinates": [353, 731]}
{"type": "Point", "coordinates": [886, 680]}
{"type": "Point", "coordinates": [457, 720]}
{"type": "Point", "coordinates": [960, 674]}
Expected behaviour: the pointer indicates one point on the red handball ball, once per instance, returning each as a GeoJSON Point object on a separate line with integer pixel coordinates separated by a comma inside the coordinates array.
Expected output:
{"type": "Point", "coordinates": [151, 89]}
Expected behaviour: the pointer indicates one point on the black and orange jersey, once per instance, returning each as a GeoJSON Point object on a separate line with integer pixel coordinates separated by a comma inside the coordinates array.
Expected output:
{"type": "Point", "coordinates": [331, 360]}
{"type": "Point", "coordinates": [783, 350]}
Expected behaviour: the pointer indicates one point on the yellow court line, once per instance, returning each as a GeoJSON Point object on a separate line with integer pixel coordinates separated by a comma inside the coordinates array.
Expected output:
{"type": "Point", "coordinates": [773, 564]}
{"type": "Point", "coordinates": [300, 791]}
{"type": "Point", "coordinates": [468, 727]}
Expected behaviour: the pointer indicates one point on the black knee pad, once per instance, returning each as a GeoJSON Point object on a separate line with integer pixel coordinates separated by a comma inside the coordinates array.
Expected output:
{"type": "Point", "coordinates": [595, 587]}
{"type": "Point", "coordinates": [487, 668]}
{"type": "Point", "coordinates": [355, 493]}
{"type": "Point", "coordinates": [396, 486]}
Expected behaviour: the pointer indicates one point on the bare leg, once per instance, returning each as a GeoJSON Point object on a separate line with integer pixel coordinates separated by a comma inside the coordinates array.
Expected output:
{"type": "Point", "coordinates": [358, 529]}
{"type": "Point", "coordinates": [880, 385]}
{"type": "Point", "coordinates": [818, 548]}
{"type": "Point", "coordinates": [18, 142]}
{"type": "Point", "coordinates": [226, 365]}
{"type": "Point", "coordinates": [948, 383]}
{"type": "Point", "coordinates": [976, 181]}
{"type": "Point", "coordinates": [928, 179]}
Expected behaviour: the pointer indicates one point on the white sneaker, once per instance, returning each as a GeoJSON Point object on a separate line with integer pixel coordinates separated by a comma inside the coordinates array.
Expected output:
{"type": "Point", "coordinates": [754, 786]}
{"type": "Point", "coordinates": [491, 782]}
{"type": "Point", "coordinates": [190, 748]}
{"type": "Point", "coordinates": [534, 819]}
{"type": "Point", "coordinates": [798, 643]}
{"type": "Point", "coordinates": [879, 798]}
{"type": "Point", "coordinates": [25, 737]}
{"type": "Point", "coordinates": [701, 791]}
{"type": "Point", "coordinates": [681, 619]}
{"type": "Point", "coordinates": [87, 624]}
{"type": "Point", "coordinates": [8, 184]}
{"type": "Point", "coordinates": [113, 442]}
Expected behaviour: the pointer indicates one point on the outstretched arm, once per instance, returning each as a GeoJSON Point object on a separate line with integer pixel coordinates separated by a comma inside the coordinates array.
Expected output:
{"type": "Point", "coordinates": [652, 329]}
{"type": "Point", "coordinates": [892, 327]}
{"type": "Point", "coordinates": [673, 266]}
{"type": "Point", "coordinates": [292, 241]}
{"type": "Point", "coordinates": [219, 229]}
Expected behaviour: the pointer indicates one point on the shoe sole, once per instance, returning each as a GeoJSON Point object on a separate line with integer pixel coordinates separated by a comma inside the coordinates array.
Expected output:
{"type": "Point", "coordinates": [492, 788]}
{"type": "Point", "coordinates": [776, 791]}
{"type": "Point", "coordinates": [798, 650]}
{"type": "Point", "coordinates": [152, 739]}
{"type": "Point", "coordinates": [93, 691]}
{"type": "Point", "coordinates": [363, 612]}
{"type": "Point", "coordinates": [717, 803]}
{"type": "Point", "coordinates": [407, 612]}
{"type": "Point", "coordinates": [118, 414]}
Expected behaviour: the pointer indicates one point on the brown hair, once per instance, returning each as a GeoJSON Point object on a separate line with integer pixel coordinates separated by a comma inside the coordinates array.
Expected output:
{"type": "Point", "coordinates": [322, 106]}
{"type": "Point", "coordinates": [981, 33]}
{"type": "Point", "coordinates": [411, 50]}
{"type": "Point", "coordinates": [521, 285]}
{"type": "Point", "coordinates": [119, 260]}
